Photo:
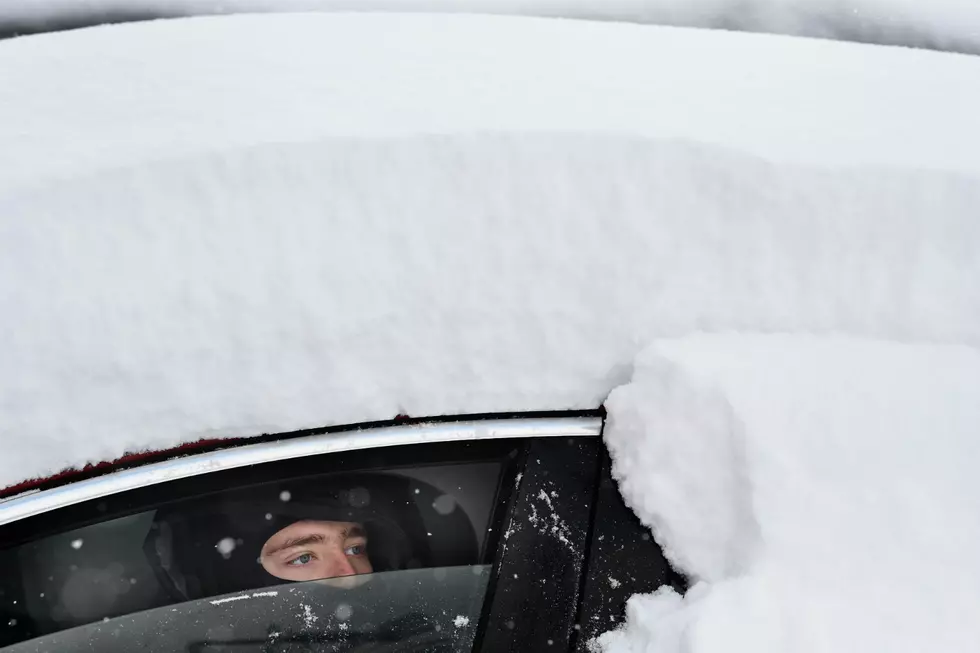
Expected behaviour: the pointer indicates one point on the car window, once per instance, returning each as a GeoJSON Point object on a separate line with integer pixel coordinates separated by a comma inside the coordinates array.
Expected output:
{"type": "Point", "coordinates": [239, 562]}
{"type": "Point", "coordinates": [624, 560]}
{"type": "Point", "coordinates": [429, 610]}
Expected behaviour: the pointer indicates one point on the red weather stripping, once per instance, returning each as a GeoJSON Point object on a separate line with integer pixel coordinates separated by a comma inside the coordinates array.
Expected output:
{"type": "Point", "coordinates": [96, 469]}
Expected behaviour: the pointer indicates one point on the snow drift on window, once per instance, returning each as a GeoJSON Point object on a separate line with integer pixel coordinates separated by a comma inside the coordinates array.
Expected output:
{"type": "Point", "coordinates": [822, 490]}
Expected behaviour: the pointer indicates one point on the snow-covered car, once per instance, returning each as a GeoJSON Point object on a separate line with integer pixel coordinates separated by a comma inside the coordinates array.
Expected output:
{"type": "Point", "coordinates": [485, 534]}
{"type": "Point", "coordinates": [234, 249]}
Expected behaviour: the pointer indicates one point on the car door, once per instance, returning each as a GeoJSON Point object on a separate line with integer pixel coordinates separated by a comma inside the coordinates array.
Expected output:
{"type": "Point", "coordinates": [450, 535]}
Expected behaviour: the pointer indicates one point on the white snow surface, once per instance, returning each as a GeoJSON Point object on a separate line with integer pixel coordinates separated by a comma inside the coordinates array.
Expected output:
{"type": "Point", "coordinates": [941, 24]}
{"type": "Point", "coordinates": [292, 286]}
{"type": "Point", "coordinates": [219, 239]}
{"type": "Point", "coordinates": [231, 226]}
{"type": "Point", "coordinates": [75, 102]}
{"type": "Point", "coordinates": [822, 491]}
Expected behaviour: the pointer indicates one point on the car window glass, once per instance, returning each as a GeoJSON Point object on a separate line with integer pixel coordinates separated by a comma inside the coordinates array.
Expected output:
{"type": "Point", "coordinates": [426, 610]}
{"type": "Point", "coordinates": [391, 538]}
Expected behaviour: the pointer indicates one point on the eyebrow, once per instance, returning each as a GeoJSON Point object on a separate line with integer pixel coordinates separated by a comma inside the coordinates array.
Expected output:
{"type": "Point", "coordinates": [355, 531]}
{"type": "Point", "coordinates": [313, 538]}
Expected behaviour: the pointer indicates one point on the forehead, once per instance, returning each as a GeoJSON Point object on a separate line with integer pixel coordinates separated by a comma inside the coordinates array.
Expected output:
{"type": "Point", "coordinates": [311, 527]}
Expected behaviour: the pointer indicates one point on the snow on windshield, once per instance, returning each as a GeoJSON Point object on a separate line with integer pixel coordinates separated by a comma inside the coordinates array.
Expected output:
{"type": "Point", "coordinates": [940, 24]}
{"type": "Point", "coordinates": [823, 492]}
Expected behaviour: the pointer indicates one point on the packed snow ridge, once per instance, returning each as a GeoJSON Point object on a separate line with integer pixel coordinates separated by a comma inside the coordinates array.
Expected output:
{"type": "Point", "coordinates": [292, 286]}
{"type": "Point", "coordinates": [820, 491]}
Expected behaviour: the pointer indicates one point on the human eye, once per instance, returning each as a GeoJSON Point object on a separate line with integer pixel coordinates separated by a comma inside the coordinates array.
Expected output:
{"type": "Point", "coordinates": [356, 550]}
{"type": "Point", "coordinates": [301, 560]}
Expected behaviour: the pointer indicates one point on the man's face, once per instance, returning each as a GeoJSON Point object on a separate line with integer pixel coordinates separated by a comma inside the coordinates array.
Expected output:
{"type": "Point", "coordinates": [310, 550]}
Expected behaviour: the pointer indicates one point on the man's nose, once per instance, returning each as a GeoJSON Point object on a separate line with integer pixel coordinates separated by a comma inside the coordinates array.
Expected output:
{"type": "Point", "coordinates": [340, 565]}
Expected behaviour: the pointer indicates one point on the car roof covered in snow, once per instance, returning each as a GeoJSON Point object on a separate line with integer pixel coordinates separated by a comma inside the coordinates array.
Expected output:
{"type": "Point", "coordinates": [227, 227]}
{"type": "Point", "coordinates": [231, 226]}
{"type": "Point", "coordinates": [72, 103]}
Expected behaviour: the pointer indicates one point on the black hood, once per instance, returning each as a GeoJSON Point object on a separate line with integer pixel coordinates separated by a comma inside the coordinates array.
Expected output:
{"type": "Point", "coordinates": [211, 545]}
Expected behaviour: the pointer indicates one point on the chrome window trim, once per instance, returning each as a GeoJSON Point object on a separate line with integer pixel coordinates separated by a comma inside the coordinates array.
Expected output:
{"type": "Point", "coordinates": [34, 503]}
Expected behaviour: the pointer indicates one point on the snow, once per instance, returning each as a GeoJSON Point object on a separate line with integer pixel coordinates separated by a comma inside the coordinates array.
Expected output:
{"type": "Point", "coordinates": [853, 526]}
{"type": "Point", "coordinates": [293, 286]}
{"type": "Point", "coordinates": [220, 239]}
{"type": "Point", "coordinates": [309, 618]}
{"type": "Point", "coordinates": [240, 597]}
{"type": "Point", "coordinates": [942, 24]}
{"type": "Point", "coordinates": [71, 105]}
